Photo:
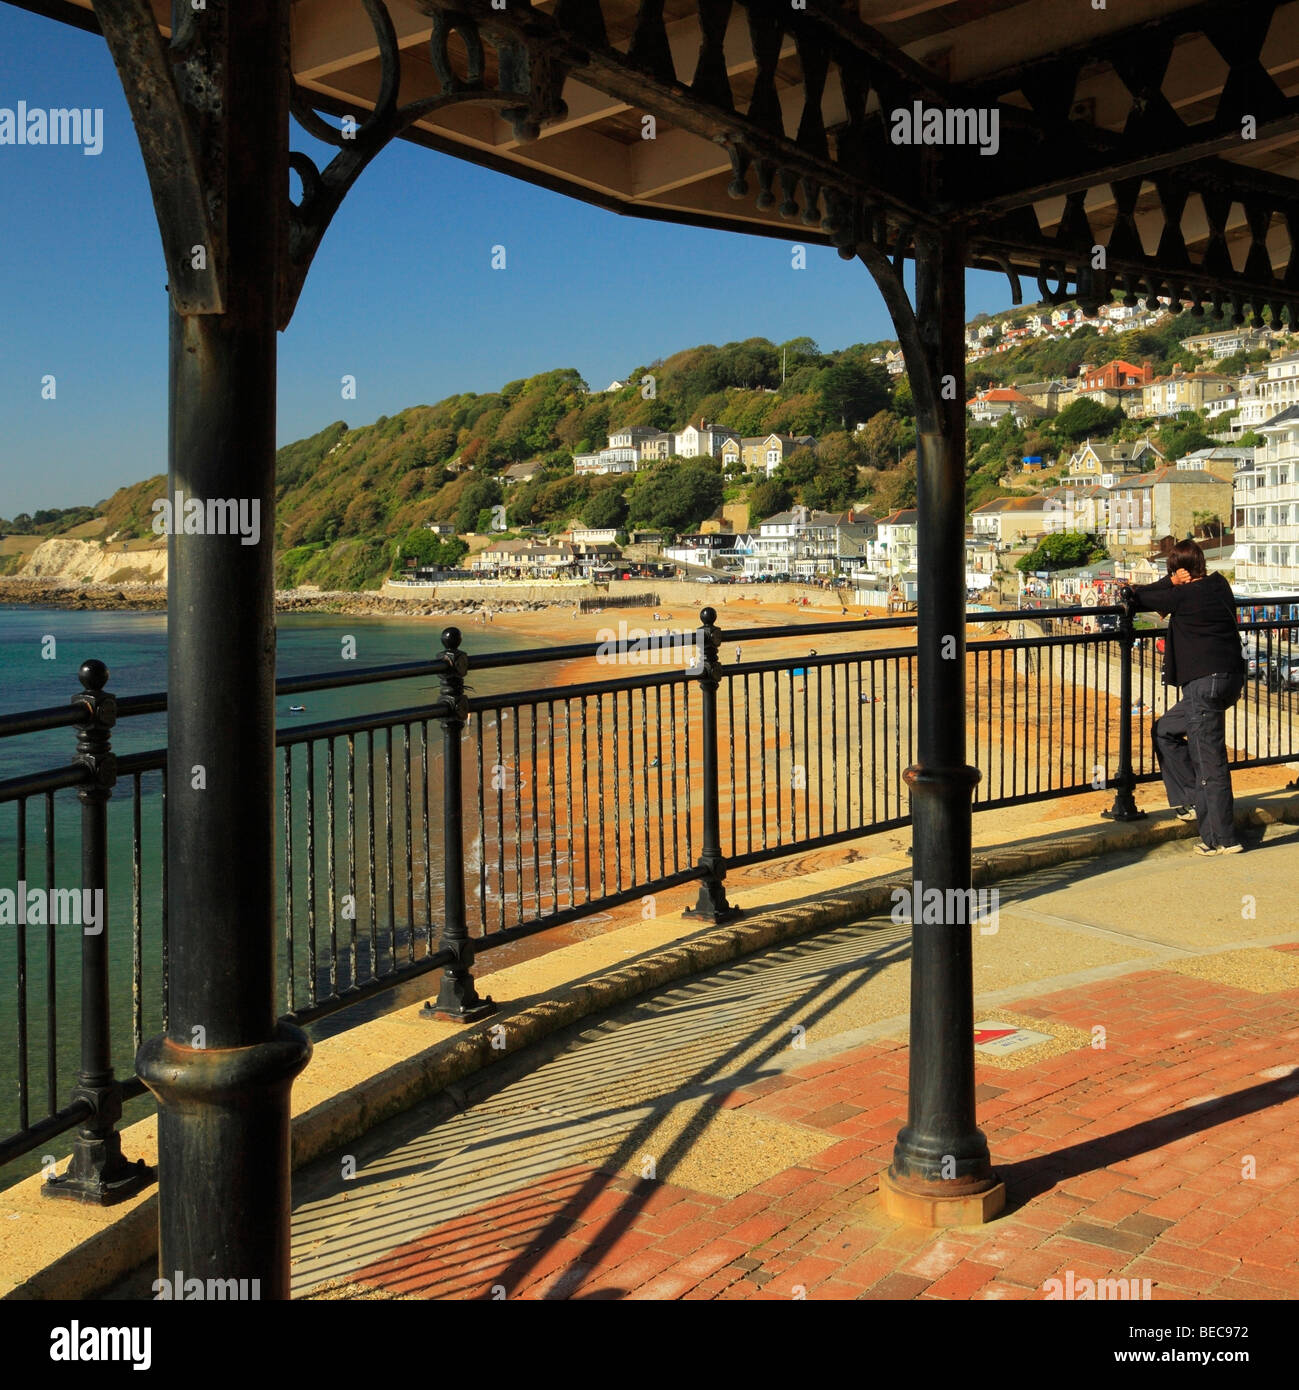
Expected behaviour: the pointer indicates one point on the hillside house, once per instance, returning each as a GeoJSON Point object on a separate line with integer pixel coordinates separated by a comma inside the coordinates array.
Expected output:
{"type": "Point", "coordinates": [1170, 395]}
{"type": "Point", "coordinates": [1009, 520]}
{"type": "Point", "coordinates": [992, 404]}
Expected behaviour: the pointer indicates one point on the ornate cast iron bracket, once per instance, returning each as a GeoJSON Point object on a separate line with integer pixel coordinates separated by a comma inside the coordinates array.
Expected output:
{"type": "Point", "coordinates": [176, 99]}
{"type": "Point", "coordinates": [529, 92]}
{"type": "Point", "coordinates": [176, 114]}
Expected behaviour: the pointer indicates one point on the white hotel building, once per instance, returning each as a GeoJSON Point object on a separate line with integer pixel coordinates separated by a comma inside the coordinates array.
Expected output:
{"type": "Point", "coordinates": [1266, 501]}
{"type": "Point", "coordinates": [1268, 391]}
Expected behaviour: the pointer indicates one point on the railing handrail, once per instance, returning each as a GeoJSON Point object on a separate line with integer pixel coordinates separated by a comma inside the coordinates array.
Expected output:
{"type": "Point", "coordinates": [64, 716]}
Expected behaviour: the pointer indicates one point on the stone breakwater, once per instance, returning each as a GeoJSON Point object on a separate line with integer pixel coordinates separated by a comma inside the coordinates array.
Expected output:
{"type": "Point", "coordinates": [66, 593]}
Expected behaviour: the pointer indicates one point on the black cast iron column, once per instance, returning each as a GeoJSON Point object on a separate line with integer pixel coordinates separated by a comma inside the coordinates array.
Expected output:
{"type": "Point", "coordinates": [223, 1072]}
{"type": "Point", "coordinates": [941, 1151]}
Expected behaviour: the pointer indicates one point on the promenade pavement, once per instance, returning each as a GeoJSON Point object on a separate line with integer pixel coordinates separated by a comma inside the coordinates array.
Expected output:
{"type": "Point", "coordinates": [723, 1137]}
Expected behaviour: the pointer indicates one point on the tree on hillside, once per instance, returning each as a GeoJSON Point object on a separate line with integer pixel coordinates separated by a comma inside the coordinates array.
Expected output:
{"type": "Point", "coordinates": [852, 392]}
{"type": "Point", "coordinates": [798, 468]}
{"type": "Point", "coordinates": [608, 507]}
{"type": "Point", "coordinates": [754, 363]}
{"type": "Point", "coordinates": [768, 497]}
{"type": "Point", "coordinates": [897, 487]}
{"type": "Point", "coordinates": [481, 494]}
{"type": "Point", "coordinates": [1086, 418]}
{"type": "Point", "coordinates": [904, 403]}
{"type": "Point", "coordinates": [882, 440]}
{"type": "Point", "coordinates": [800, 352]}
{"type": "Point", "coordinates": [835, 482]}
{"type": "Point", "coordinates": [362, 516]}
{"type": "Point", "coordinates": [1183, 435]}
{"type": "Point", "coordinates": [675, 495]}
{"type": "Point", "coordinates": [429, 551]}
{"type": "Point", "coordinates": [1064, 550]}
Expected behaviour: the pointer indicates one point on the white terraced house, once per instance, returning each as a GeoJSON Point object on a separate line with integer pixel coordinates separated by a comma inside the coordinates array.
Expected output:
{"type": "Point", "coordinates": [702, 441]}
{"type": "Point", "coordinates": [808, 544]}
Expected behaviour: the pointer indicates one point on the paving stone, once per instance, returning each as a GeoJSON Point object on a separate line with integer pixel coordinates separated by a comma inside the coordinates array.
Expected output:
{"type": "Point", "coordinates": [1123, 1160]}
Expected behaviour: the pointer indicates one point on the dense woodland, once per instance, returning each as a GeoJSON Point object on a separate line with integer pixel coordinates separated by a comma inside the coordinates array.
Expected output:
{"type": "Point", "coordinates": [349, 500]}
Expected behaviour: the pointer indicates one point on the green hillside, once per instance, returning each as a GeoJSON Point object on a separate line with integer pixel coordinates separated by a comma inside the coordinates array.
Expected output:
{"type": "Point", "coordinates": [348, 497]}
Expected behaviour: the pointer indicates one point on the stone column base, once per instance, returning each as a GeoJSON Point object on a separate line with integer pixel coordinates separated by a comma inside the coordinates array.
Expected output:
{"type": "Point", "coordinates": [927, 1209]}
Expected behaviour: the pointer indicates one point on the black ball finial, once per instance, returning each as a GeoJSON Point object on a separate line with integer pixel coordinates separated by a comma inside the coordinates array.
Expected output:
{"type": "Point", "coordinates": [708, 616]}
{"type": "Point", "coordinates": [451, 638]}
{"type": "Point", "coordinates": [93, 675]}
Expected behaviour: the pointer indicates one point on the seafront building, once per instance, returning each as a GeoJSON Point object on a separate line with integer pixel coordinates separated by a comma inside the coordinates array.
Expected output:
{"type": "Point", "coordinates": [1266, 555]}
{"type": "Point", "coordinates": [808, 544]}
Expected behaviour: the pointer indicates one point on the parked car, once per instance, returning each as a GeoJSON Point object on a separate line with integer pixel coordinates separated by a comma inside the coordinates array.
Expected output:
{"type": "Point", "coordinates": [1260, 665]}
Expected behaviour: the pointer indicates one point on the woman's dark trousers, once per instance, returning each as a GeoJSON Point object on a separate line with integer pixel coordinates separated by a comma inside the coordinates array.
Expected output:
{"type": "Point", "coordinates": [1191, 745]}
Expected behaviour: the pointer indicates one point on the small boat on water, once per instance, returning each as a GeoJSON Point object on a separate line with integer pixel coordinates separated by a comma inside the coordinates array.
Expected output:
{"type": "Point", "coordinates": [297, 709]}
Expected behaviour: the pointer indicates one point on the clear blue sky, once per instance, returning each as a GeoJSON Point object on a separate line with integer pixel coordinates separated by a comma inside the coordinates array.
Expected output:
{"type": "Point", "coordinates": [401, 295]}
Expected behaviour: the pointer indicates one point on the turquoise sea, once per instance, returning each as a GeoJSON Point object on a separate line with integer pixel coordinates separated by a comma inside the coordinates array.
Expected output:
{"type": "Point", "coordinates": [40, 652]}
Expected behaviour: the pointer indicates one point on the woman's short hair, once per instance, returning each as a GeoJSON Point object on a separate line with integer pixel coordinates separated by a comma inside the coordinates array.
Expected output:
{"type": "Point", "coordinates": [1186, 555]}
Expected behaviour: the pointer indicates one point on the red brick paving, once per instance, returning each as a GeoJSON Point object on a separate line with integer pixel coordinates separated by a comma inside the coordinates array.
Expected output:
{"type": "Point", "coordinates": [1124, 1161]}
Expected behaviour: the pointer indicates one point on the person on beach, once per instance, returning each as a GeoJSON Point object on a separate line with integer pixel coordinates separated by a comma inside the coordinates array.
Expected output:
{"type": "Point", "coordinates": [1203, 658]}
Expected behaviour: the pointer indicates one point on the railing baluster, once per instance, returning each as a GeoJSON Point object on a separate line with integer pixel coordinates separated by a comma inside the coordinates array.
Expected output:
{"type": "Point", "coordinates": [482, 832]}
{"type": "Point", "coordinates": [409, 838]}
{"type": "Point", "coordinates": [331, 868]}
{"type": "Point", "coordinates": [518, 814]}
{"type": "Point", "coordinates": [370, 773]}
{"type": "Point", "coordinates": [498, 781]}
{"type": "Point", "coordinates": [390, 872]}
{"type": "Point", "coordinates": [535, 769]}
{"type": "Point", "coordinates": [354, 972]}
{"type": "Point", "coordinates": [600, 761]}
{"type": "Point", "coordinates": [137, 922]}
{"type": "Point", "coordinates": [645, 779]}
{"type": "Point", "coordinates": [658, 758]}
{"type": "Point", "coordinates": [313, 991]}
{"type": "Point", "coordinates": [20, 982]}
{"type": "Point", "coordinates": [568, 804]}
{"type": "Point", "coordinates": [762, 750]}
{"type": "Point", "coordinates": [554, 812]}
{"type": "Point", "coordinates": [834, 741]}
{"type": "Point", "coordinates": [166, 932]}
{"type": "Point", "coordinates": [617, 796]}
{"type": "Point", "coordinates": [586, 806]}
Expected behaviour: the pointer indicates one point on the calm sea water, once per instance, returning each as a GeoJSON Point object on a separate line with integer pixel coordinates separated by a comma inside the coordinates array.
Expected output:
{"type": "Point", "coordinates": [40, 652]}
